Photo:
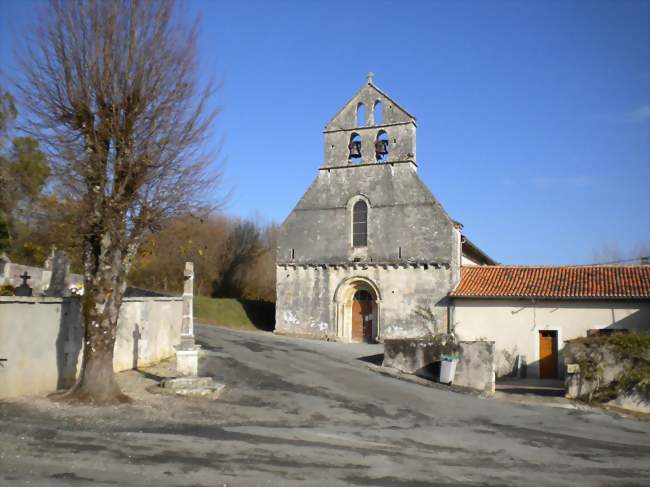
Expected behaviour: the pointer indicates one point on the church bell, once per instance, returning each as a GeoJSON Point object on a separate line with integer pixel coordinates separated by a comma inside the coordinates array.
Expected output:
{"type": "Point", "coordinates": [355, 148]}
{"type": "Point", "coordinates": [381, 147]}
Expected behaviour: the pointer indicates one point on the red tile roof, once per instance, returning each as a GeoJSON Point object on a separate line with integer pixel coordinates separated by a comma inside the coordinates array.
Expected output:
{"type": "Point", "coordinates": [612, 282]}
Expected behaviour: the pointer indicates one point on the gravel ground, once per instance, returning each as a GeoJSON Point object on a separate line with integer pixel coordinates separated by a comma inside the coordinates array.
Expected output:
{"type": "Point", "coordinates": [300, 412]}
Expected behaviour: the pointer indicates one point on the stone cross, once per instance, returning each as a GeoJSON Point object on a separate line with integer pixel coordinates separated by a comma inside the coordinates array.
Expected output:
{"type": "Point", "coordinates": [24, 289]}
{"type": "Point", "coordinates": [187, 353]}
{"type": "Point", "coordinates": [371, 77]}
{"type": "Point", "coordinates": [59, 285]}
{"type": "Point", "coordinates": [187, 329]}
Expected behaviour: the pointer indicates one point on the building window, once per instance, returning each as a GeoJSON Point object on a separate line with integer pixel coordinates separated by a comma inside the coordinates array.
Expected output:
{"type": "Point", "coordinates": [378, 113]}
{"type": "Point", "coordinates": [361, 115]}
{"type": "Point", "coordinates": [360, 224]}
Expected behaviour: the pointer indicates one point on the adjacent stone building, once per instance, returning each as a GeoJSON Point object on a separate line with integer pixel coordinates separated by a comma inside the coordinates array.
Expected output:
{"type": "Point", "coordinates": [368, 252]}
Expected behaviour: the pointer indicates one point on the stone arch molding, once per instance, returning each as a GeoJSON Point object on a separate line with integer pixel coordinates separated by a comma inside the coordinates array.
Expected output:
{"type": "Point", "coordinates": [348, 284]}
{"type": "Point", "coordinates": [343, 304]}
{"type": "Point", "coordinates": [357, 197]}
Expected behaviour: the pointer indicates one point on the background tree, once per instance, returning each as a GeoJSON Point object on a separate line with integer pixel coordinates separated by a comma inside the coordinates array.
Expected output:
{"type": "Point", "coordinates": [232, 258]}
{"type": "Point", "coordinates": [112, 90]}
{"type": "Point", "coordinates": [23, 174]}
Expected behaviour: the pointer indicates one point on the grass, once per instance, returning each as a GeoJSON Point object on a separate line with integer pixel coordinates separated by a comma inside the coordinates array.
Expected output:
{"type": "Point", "coordinates": [240, 314]}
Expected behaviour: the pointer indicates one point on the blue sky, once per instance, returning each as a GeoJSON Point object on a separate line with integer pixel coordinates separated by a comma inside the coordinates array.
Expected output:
{"type": "Point", "coordinates": [533, 117]}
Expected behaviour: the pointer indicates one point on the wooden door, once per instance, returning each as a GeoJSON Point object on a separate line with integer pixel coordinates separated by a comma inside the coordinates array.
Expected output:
{"type": "Point", "coordinates": [362, 317]}
{"type": "Point", "coordinates": [548, 354]}
{"type": "Point", "coordinates": [366, 310]}
{"type": "Point", "coordinates": [357, 321]}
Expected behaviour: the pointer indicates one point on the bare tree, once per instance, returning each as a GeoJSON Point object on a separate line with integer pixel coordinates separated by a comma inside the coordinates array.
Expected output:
{"type": "Point", "coordinates": [113, 92]}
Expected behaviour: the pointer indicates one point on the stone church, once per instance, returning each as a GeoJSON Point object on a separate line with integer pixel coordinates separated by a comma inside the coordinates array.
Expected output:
{"type": "Point", "coordinates": [368, 253]}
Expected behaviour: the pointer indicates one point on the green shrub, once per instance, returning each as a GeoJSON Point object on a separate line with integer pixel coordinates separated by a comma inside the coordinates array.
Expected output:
{"type": "Point", "coordinates": [631, 349]}
{"type": "Point", "coordinates": [7, 290]}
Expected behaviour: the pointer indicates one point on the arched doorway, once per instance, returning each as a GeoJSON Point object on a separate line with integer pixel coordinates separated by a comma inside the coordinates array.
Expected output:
{"type": "Point", "coordinates": [357, 302]}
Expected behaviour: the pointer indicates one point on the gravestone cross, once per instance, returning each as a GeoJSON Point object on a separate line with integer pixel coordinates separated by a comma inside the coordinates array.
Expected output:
{"type": "Point", "coordinates": [24, 290]}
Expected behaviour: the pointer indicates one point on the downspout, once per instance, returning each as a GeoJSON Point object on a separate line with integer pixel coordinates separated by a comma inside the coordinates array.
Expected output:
{"type": "Point", "coordinates": [450, 317]}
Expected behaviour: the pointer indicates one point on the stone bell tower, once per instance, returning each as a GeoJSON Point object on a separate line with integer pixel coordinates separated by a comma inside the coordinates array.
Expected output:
{"type": "Point", "coordinates": [371, 128]}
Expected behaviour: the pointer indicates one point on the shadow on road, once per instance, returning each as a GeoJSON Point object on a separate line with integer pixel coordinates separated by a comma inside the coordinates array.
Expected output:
{"type": "Point", "coordinates": [376, 359]}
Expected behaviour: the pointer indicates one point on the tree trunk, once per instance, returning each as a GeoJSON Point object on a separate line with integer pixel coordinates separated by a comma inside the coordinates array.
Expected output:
{"type": "Point", "coordinates": [101, 304]}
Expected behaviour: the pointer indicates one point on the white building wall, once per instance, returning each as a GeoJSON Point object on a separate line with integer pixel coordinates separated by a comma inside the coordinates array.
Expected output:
{"type": "Point", "coordinates": [42, 339]}
{"type": "Point", "coordinates": [467, 261]}
{"type": "Point", "coordinates": [514, 325]}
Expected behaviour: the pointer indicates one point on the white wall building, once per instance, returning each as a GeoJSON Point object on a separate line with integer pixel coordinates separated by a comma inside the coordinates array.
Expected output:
{"type": "Point", "coordinates": [530, 311]}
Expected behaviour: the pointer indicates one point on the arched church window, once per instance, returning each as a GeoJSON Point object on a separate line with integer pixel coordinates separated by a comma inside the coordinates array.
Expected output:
{"type": "Point", "coordinates": [361, 115]}
{"type": "Point", "coordinates": [360, 224]}
{"type": "Point", "coordinates": [355, 148]}
{"type": "Point", "coordinates": [378, 113]}
{"type": "Point", "coordinates": [381, 146]}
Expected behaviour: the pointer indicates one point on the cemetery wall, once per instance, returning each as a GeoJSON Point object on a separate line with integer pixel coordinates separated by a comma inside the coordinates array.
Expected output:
{"type": "Point", "coordinates": [42, 339]}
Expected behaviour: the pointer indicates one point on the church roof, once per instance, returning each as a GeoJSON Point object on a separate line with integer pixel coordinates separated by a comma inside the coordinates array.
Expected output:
{"type": "Point", "coordinates": [568, 282]}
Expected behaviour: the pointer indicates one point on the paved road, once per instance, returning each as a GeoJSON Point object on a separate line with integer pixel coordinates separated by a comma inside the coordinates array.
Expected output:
{"type": "Point", "coordinates": [300, 412]}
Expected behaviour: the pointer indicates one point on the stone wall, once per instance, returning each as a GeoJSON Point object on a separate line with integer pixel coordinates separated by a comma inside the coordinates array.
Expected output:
{"type": "Point", "coordinates": [405, 221]}
{"type": "Point", "coordinates": [309, 298]}
{"type": "Point", "coordinates": [600, 368]}
{"type": "Point", "coordinates": [475, 369]}
{"type": "Point", "coordinates": [42, 338]}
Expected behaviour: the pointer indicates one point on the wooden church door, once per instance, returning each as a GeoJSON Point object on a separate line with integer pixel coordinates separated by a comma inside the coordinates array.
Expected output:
{"type": "Point", "coordinates": [362, 317]}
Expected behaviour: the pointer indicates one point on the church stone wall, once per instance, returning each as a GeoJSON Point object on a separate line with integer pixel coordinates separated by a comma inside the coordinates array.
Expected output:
{"type": "Point", "coordinates": [306, 298]}
{"type": "Point", "coordinates": [402, 214]}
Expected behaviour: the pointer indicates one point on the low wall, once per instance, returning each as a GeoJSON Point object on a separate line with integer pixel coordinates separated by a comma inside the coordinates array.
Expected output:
{"type": "Point", "coordinates": [42, 339]}
{"type": "Point", "coordinates": [606, 368]}
{"type": "Point", "coordinates": [475, 369]}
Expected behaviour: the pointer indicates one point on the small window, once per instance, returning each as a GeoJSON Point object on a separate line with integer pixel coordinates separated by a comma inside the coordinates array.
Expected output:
{"type": "Point", "coordinates": [361, 115]}
{"type": "Point", "coordinates": [378, 113]}
{"type": "Point", "coordinates": [360, 224]}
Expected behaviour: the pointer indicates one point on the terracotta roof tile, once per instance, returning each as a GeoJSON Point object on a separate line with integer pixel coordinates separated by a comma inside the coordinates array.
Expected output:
{"type": "Point", "coordinates": [554, 282]}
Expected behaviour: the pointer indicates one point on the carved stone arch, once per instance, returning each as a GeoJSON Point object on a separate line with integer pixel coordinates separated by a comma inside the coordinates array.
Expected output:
{"type": "Point", "coordinates": [340, 289]}
{"type": "Point", "coordinates": [344, 298]}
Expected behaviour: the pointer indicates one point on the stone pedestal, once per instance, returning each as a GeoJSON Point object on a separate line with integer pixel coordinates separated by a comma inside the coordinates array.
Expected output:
{"type": "Point", "coordinates": [187, 361]}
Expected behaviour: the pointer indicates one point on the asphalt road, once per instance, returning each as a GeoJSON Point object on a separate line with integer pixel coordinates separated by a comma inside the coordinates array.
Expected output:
{"type": "Point", "coordinates": [300, 412]}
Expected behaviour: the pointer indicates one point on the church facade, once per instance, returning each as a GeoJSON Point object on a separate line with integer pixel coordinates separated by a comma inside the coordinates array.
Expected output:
{"type": "Point", "coordinates": [368, 253]}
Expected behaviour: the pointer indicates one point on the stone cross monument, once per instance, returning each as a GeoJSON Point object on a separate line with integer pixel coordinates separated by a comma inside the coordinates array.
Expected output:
{"type": "Point", "coordinates": [187, 382]}
{"type": "Point", "coordinates": [187, 353]}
